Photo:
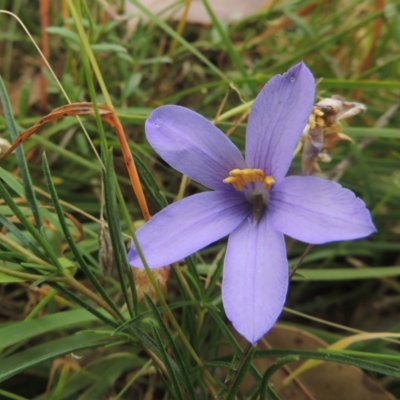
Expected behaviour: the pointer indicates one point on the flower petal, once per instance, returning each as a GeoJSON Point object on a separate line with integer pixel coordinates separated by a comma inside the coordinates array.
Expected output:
{"type": "Point", "coordinates": [279, 115]}
{"type": "Point", "coordinates": [193, 145]}
{"type": "Point", "coordinates": [255, 278]}
{"type": "Point", "coordinates": [315, 211]}
{"type": "Point", "coordinates": [187, 226]}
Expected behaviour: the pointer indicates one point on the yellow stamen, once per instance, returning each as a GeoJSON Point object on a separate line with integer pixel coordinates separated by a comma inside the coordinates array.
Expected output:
{"type": "Point", "coordinates": [239, 178]}
{"type": "Point", "coordinates": [233, 181]}
{"type": "Point", "coordinates": [268, 182]}
{"type": "Point", "coordinates": [259, 174]}
{"type": "Point", "coordinates": [316, 118]}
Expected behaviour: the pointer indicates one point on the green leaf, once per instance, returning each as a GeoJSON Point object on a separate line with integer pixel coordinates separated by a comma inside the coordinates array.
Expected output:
{"type": "Point", "coordinates": [167, 362]}
{"type": "Point", "coordinates": [24, 100]}
{"type": "Point", "coordinates": [117, 243]}
{"type": "Point", "coordinates": [150, 184]}
{"type": "Point", "coordinates": [20, 331]}
{"type": "Point", "coordinates": [23, 219]}
{"type": "Point", "coordinates": [106, 374]}
{"type": "Point", "coordinates": [270, 371]}
{"type": "Point", "coordinates": [235, 56]}
{"type": "Point", "coordinates": [107, 47]}
{"type": "Point", "coordinates": [65, 33]}
{"type": "Point", "coordinates": [12, 182]}
{"type": "Point", "coordinates": [21, 237]}
{"type": "Point", "coordinates": [19, 362]}
{"type": "Point", "coordinates": [314, 355]}
{"type": "Point", "coordinates": [81, 261]}
{"type": "Point", "coordinates": [240, 374]}
{"type": "Point", "coordinates": [4, 278]}
{"type": "Point", "coordinates": [383, 133]}
{"type": "Point", "coordinates": [345, 274]}
{"type": "Point", "coordinates": [26, 178]}
{"type": "Point", "coordinates": [183, 369]}
{"type": "Point", "coordinates": [163, 25]}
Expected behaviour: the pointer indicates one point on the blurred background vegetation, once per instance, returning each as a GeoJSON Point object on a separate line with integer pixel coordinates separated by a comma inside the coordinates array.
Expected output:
{"type": "Point", "coordinates": [71, 323]}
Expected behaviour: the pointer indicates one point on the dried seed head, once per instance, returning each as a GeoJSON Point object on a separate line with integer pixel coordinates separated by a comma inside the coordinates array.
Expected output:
{"type": "Point", "coordinates": [323, 131]}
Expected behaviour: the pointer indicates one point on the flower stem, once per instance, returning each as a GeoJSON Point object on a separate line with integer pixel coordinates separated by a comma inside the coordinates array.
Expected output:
{"type": "Point", "coordinates": [306, 251]}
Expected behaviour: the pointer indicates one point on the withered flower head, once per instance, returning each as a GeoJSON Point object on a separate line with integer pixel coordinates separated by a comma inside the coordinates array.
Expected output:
{"type": "Point", "coordinates": [324, 131]}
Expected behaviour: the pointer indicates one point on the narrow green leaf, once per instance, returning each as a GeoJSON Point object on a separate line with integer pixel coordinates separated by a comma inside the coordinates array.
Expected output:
{"type": "Point", "coordinates": [28, 225]}
{"type": "Point", "coordinates": [103, 372]}
{"type": "Point", "coordinates": [345, 274]}
{"type": "Point", "coordinates": [106, 375]}
{"type": "Point", "coordinates": [175, 351]}
{"type": "Point", "coordinates": [21, 331]}
{"type": "Point", "coordinates": [19, 362]}
{"type": "Point", "coordinates": [79, 258]}
{"type": "Point", "coordinates": [26, 178]}
{"type": "Point", "coordinates": [194, 275]}
{"type": "Point", "coordinates": [323, 43]}
{"type": "Point", "coordinates": [150, 184]}
{"type": "Point", "coordinates": [12, 396]}
{"type": "Point", "coordinates": [4, 278]}
{"type": "Point", "coordinates": [236, 58]}
{"type": "Point", "coordinates": [84, 304]}
{"type": "Point", "coordinates": [240, 374]}
{"type": "Point", "coordinates": [166, 359]}
{"type": "Point", "coordinates": [107, 47]}
{"type": "Point", "coordinates": [382, 133]}
{"type": "Point", "coordinates": [115, 230]}
{"type": "Point", "coordinates": [163, 25]}
{"type": "Point", "coordinates": [43, 279]}
{"type": "Point", "coordinates": [24, 100]}
{"type": "Point", "coordinates": [314, 355]}
{"type": "Point", "coordinates": [65, 33]}
{"type": "Point", "coordinates": [270, 371]}
{"type": "Point", "coordinates": [236, 347]}
{"type": "Point", "coordinates": [21, 237]}
{"type": "Point", "coordinates": [8, 178]}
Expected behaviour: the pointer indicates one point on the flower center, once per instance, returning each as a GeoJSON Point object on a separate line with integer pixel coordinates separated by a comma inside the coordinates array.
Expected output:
{"type": "Point", "coordinates": [239, 178]}
{"type": "Point", "coordinates": [255, 185]}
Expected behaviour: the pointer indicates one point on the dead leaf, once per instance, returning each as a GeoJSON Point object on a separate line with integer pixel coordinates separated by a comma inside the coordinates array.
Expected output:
{"type": "Point", "coordinates": [327, 381]}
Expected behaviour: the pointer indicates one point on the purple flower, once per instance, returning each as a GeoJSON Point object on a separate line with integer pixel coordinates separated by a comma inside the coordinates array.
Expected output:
{"type": "Point", "coordinates": [252, 201]}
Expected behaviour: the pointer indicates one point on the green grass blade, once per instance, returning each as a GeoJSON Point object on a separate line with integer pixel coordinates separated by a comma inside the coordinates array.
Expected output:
{"type": "Point", "coordinates": [115, 230]}
{"type": "Point", "coordinates": [21, 237]}
{"type": "Point", "coordinates": [180, 39]}
{"type": "Point", "coordinates": [22, 331]}
{"type": "Point", "coordinates": [177, 393]}
{"type": "Point", "coordinates": [150, 184]}
{"type": "Point", "coordinates": [26, 178]}
{"type": "Point", "coordinates": [314, 355]}
{"type": "Point", "coordinates": [270, 371]}
{"type": "Point", "coordinates": [345, 274]}
{"type": "Point", "coordinates": [19, 362]}
{"type": "Point", "coordinates": [231, 395]}
{"type": "Point", "coordinates": [80, 260]}
{"type": "Point", "coordinates": [175, 351]}
{"type": "Point", "coordinates": [228, 44]}
{"type": "Point", "coordinates": [29, 226]}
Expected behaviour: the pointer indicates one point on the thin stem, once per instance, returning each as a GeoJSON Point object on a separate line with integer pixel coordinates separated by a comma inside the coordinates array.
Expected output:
{"type": "Point", "coordinates": [70, 280]}
{"type": "Point", "coordinates": [246, 351]}
{"type": "Point", "coordinates": [12, 244]}
{"type": "Point", "coordinates": [29, 277]}
{"type": "Point", "coordinates": [42, 303]}
{"type": "Point", "coordinates": [306, 251]}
